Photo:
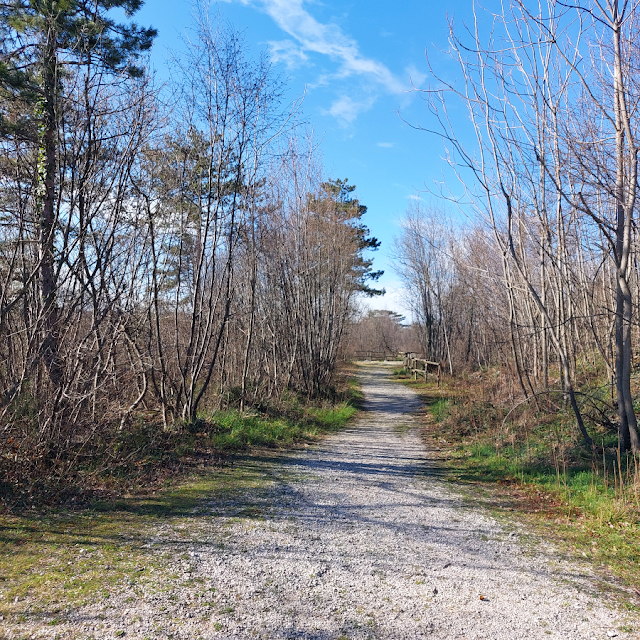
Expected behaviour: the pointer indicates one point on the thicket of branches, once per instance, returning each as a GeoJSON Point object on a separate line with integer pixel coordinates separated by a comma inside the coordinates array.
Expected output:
{"type": "Point", "coordinates": [156, 262]}
{"type": "Point", "coordinates": [546, 280]}
{"type": "Point", "coordinates": [380, 334]}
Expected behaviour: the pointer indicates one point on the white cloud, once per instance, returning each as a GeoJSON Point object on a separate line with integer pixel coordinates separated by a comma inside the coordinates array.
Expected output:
{"type": "Point", "coordinates": [413, 196]}
{"type": "Point", "coordinates": [395, 299]}
{"type": "Point", "coordinates": [288, 52]}
{"type": "Point", "coordinates": [327, 39]}
{"type": "Point", "coordinates": [385, 145]}
{"type": "Point", "coordinates": [346, 110]}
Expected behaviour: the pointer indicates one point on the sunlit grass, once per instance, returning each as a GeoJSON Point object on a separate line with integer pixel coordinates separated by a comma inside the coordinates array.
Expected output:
{"type": "Point", "coordinates": [589, 500]}
{"type": "Point", "coordinates": [585, 506]}
{"type": "Point", "coordinates": [439, 408]}
{"type": "Point", "coordinates": [233, 431]}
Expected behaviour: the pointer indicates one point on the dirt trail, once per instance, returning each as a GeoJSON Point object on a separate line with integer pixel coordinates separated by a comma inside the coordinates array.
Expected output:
{"type": "Point", "coordinates": [360, 538]}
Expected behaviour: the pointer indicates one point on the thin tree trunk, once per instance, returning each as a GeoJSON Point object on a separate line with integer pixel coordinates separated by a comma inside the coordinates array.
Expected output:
{"type": "Point", "coordinates": [47, 165]}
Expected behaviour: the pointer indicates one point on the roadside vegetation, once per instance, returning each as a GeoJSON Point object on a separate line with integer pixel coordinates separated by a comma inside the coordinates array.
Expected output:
{"type": "Point", "coordinates": [529, 461]}
{"type": "Point", "coordinates": [145, 456]}
{"type": "Point", "coordinates": [54, 559]}
{"type": "Point", "coordinates": [176, 271]}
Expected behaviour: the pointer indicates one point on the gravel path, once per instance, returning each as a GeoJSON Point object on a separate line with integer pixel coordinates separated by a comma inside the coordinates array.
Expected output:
{"type": "Point", "coordinates": [357, 539]}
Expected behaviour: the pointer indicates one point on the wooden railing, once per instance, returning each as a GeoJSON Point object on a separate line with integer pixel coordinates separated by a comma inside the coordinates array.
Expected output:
{"type": "Point", "coordinates": [422, 367]}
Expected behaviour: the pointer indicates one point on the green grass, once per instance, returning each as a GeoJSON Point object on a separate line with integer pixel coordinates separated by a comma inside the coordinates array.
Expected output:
{"type": "Point", "coordinates": [290, 423]}
{"type": "Point", "coordinates": [579, 503]}
{"type": "Point", "coordinates": [144, 453]}
{"type": "Point", "coordinates": [534, 464]}
{"type": "Point", "coordinates": [438, 408]}
{"type": "Point", "coordinates": [231, 431]}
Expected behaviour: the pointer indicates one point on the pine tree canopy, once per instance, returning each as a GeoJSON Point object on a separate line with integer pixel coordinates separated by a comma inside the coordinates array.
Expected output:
{"type": "Point", "coordinates": [41, 38]}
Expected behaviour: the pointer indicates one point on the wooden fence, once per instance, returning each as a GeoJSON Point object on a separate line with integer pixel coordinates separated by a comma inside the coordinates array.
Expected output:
{"type": "Point", "coordinates": [422, 367]}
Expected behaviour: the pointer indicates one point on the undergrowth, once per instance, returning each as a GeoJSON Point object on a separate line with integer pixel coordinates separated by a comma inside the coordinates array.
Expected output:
{"type": "Point", "coordinates": [144, 454]}
{"type": "Point", "coordinates": [532, 459]}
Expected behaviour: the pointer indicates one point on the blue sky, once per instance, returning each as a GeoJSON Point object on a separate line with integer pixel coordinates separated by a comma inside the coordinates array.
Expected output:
{"type": "Point", "coordinates": [356, 61]}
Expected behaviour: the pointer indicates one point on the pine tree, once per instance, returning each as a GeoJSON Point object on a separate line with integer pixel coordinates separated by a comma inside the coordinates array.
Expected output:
{"type": "Point", "coordinates": [41, 42]}
{"type": "Point", "coordinates": [352, 211]}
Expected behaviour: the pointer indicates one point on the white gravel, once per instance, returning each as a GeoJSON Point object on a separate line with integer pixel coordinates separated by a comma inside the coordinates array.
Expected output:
{"type": "Point", "coordinates": [360, 538]}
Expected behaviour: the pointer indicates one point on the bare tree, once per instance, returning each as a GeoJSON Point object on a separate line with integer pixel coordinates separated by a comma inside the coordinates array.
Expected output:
{"type": "Point", "coordinates": [422, 254]}
{"type": "Point", "coordinates": [554, 175]}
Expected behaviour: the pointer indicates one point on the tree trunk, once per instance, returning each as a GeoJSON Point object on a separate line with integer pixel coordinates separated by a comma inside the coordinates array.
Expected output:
{"type": "Point", "coordinates": [628, 434]}
{"type": "Point", "coordinates": [47, 165]}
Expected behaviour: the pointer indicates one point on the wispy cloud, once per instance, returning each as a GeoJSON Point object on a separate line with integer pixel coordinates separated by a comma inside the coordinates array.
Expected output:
{"type": "Point", "coordinates": [413, 196]}
{"type": "Point", "coordinates": [346, 110]}
{"type": "Point", "coordinates": [325, 39]}
{"type": "Point", "coordinates": [385, 145]}
{"type": "Point", "coordinates": [288, 52]}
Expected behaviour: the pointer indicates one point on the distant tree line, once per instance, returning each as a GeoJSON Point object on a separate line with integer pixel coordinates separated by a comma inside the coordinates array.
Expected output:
{"type": "Point", "coordinates": [160, 257]}
{"type": "Point", "coordinates": [380, 333]}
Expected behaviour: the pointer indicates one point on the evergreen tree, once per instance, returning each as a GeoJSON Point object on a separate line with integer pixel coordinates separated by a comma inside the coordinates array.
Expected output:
{"type": "Point", "coordinates": [42, 41]}
{"type": "Point", "coordinates": [350, 209]}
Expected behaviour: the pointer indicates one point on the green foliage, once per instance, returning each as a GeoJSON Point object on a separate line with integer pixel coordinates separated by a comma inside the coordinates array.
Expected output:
{"type": "Point", "coordinates": [41, 39]}
{"type": "Point", "coordinates": [587, 504]}
{"type": "Point", "coordinates": [351, 211]}
{"type": "Point", "coordinates": [439, 408]}
{"type": "Point", "coordinates": [232, 431]}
